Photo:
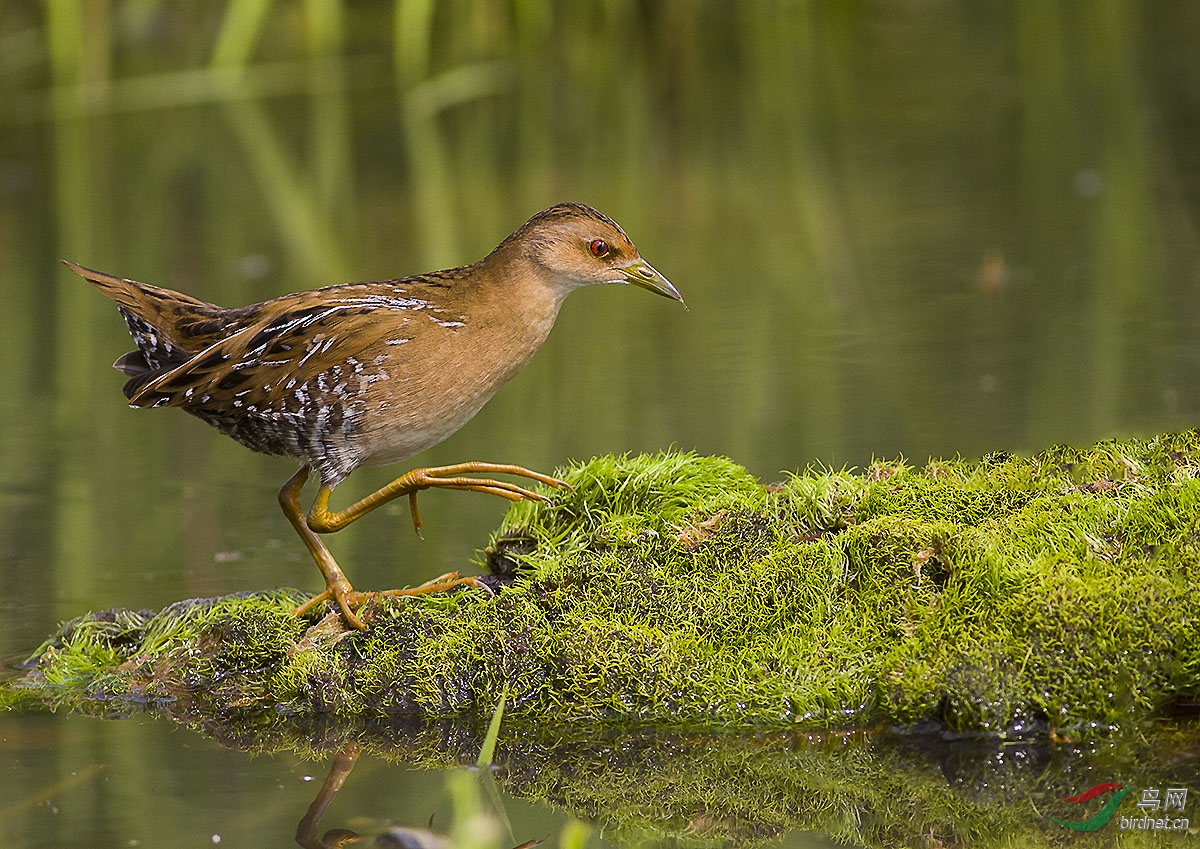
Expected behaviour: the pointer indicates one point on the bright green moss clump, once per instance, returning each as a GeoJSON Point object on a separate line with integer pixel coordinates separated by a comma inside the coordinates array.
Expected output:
{"type": "Point", "coordinates": [1060, 591]}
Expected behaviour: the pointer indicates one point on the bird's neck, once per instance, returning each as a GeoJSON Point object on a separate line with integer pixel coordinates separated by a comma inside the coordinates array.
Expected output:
{"type": "Point", "coordinates": [514, 305]}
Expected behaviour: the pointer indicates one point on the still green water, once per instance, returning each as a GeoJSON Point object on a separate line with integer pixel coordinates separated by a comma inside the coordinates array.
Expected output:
{"type": "Point", "coordinates": [918, 229]}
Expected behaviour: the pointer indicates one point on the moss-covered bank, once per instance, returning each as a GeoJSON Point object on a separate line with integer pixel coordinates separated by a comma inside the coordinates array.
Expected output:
{"type": "Point", "coordinates": [1056, 592]}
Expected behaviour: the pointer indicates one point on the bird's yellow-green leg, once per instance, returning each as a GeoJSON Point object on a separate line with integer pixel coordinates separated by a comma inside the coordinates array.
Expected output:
{"type": "Point", "coordinates": [323, 521]}
{"type": "Point", "coordinates": [337, 586]}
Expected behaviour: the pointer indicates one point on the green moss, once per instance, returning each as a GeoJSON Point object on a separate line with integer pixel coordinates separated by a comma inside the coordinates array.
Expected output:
{"type": "Point", "coordinates": [1059, 591]}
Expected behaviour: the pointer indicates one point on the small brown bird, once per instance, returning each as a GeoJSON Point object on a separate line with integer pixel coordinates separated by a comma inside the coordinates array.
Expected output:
{"type": "Point", "coordinates": [371, 373]}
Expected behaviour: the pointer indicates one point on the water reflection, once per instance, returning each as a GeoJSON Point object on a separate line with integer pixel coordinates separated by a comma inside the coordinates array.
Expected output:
{"type": "Point", "coordinates": [306, 831]}
{"type": "Point", "coordinates": [639, 787]}
{"type": "Point", "coordinates": [480, 826]}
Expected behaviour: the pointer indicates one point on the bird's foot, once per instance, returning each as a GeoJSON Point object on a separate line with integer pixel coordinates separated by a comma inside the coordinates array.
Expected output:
{"type": "Point", "coordinates": [348, 599]}
{"type": "Point", "coordinates": [455, 477]}
{"type": "Point", "coordinates": [344, 596]}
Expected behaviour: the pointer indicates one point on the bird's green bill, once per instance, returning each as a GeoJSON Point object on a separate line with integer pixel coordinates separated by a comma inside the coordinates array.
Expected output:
{"type": "Point", "coordinates": [645, 275]}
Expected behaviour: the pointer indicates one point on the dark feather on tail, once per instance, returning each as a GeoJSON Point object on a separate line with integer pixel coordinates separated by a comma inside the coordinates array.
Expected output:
{"type": "Point", "coordinates": [167, 327]}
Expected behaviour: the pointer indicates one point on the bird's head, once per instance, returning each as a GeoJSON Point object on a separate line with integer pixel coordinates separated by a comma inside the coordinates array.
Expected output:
{"type": "Point", "coordinates": [580, 246]}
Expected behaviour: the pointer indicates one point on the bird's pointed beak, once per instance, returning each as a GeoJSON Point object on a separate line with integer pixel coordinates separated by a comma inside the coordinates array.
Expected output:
{"type": "Point", "coordinates": [642, 273]}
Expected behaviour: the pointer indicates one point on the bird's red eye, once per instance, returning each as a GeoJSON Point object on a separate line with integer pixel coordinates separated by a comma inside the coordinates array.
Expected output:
{"type": "Point", "coordinates": [599, 248]}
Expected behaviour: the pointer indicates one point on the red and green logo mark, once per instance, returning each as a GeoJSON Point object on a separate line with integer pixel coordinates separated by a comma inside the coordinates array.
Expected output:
{"type": "Point", "coordinates": [1104, 815]}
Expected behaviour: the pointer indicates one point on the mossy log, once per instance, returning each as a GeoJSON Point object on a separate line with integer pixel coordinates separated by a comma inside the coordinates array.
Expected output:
{"type": "Point", "coordinates": [1048, 594]}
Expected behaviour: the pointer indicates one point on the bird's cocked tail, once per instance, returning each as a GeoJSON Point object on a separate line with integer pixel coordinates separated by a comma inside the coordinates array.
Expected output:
{"type": "Point", "coordinates": [167, 326]}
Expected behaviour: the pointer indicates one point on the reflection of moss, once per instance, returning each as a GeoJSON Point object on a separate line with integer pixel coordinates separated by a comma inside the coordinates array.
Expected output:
{"type": "Point", "coordinates": [858, 788]}
{"type": "Point", "coordinates": [1013, 593]}
{"type": "Point", "coordinates": [705, 790]}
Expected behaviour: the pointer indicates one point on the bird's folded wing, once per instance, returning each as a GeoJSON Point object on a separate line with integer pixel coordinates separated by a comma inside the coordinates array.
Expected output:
{"type": "Point", "coordinates": [263, 366]}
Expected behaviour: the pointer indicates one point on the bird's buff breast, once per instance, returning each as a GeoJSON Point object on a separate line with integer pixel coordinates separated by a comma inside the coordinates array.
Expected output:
{"type": "Point", "coordinates": [413, 408]}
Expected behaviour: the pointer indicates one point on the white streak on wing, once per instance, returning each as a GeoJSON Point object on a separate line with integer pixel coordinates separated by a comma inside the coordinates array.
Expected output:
{"type": "Point", "coordinates": [442, 323]}
{"type": "Point", "coordinates": [313, 348]}
{"type": "Point", "coordinates": [383, 302]}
